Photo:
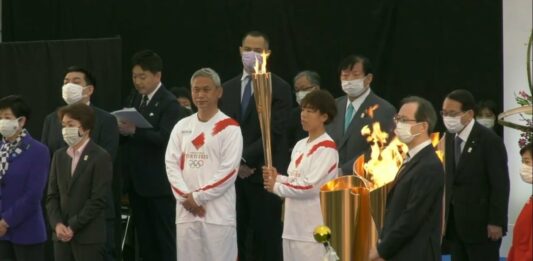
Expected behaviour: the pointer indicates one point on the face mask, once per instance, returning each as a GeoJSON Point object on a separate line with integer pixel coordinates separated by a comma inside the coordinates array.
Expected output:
{"type": "Point", "coordinates": [248, 60]}
{"type": "Point", "coordinates": [487, 122]}
{"type": "Point", "coordinates": [453, 124]}
{"type": "Point", "coordinates": [189, 108]}
{"type": "Point", "coordinates": [300, 95]}
{"type": "Point", "coordinates": [353, 88]}
{"type": "Point", "coordinates": [71, 135]}
{"type": "Point", "coordinates": [403, 132]}
{"type": "Point", "coordinates": [72, 93]}
{"type": "Point", "coordinates": [8, 128]}
{"type": "Point", "coordinates": [526, 173]}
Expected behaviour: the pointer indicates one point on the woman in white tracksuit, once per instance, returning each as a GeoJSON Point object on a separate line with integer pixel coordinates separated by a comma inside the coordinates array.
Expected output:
{"type": "Point", "coordinates": [314, 161]}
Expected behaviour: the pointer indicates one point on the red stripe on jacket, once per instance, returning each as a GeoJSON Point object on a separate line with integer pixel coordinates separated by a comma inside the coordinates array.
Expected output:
{"type": "Point", "coordinates": [224, 179]}
{"type": "Point", "coordinates": [221, 125]}
{"type": "Point", "coordinates": [325, 144]}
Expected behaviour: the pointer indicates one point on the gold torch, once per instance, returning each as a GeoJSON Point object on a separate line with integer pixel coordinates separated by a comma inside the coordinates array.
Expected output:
{"type": "Point", "coordinates": [262, 84]}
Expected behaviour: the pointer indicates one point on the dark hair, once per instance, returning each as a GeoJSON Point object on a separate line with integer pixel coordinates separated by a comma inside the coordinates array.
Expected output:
{"type": "Point", "coordinates": [17, 105]}
{"type": "Point", "coordinates": [527, 148]}
{"type": "Point", "coordinates": [465, 98]}
{"type": "Point", "coordinates": [486, 104]}
{"type": "Point", "coordinates": [312, 77]}
{"type": "Point", "coordinates": [322, 101]}
{"type": "Point", "coordinates": [89, 78]}
{"type": "Point", "coordinates": [148, 60]}
{"type": "Point", "coordinates": [256, 33]}
{"type": "Point", "coordinates": [350, 61]}
{"type": "Point", "coordinates": [181, 92]}
{"type": "Point", "coordinates": [80, 112]}
{"type": "Point", "coordinates": [425, 111]}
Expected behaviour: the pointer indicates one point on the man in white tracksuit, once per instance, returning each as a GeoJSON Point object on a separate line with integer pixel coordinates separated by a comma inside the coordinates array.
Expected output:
{"type": "Point", "coordinates": [202, 160]}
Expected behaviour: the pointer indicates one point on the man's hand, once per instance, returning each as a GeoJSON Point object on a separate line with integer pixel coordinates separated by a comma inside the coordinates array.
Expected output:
{"type": "Point", "coordinates": [3, 227]}
{"type": "Point", "coordinates": [63, 233]}
{"type": "Point", "coordinates": [269, 178]}
{"type": "Point", "coordinates": [245, 171]}
{"type": "Point", "coordinates": [190, 205]}
{"type": "Point", "coordinates": [494, 232]}
{"type": "Point", "coordinates": [374, 255]}
{"type": "Point", "coordinates": [126, 128]}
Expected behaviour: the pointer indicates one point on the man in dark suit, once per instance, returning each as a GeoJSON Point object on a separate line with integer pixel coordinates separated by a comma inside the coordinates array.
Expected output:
{"type": "Point", "coordinates": [79, 85]}
{"type": "Point", "coordinates": [152, 202]}
{"type": "Point", "coordinates": [477, 182]}
{"type": "Point", "coordinates": [80, 178]}
{"type": "Point", "coordinates": [412, 225]}
{"type": "Point", "coordinates": [304, 83]}
{"type": "Point", "coordinates": [359, 107]}
{"type": "Point", "coordinates": [258, 211]}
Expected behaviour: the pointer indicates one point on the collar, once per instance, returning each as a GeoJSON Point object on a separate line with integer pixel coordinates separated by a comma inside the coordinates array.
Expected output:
{"type": "Point", "coordinates": [465, 133]}
{"type": "Point", "coordinates": [244, 75]}
{"type": "Point", "coordinates": [72, 153]}
{"type": "Point", "coordinates": [412, 152]}
{"type": "Point", "coordinates": [358, 101]}
{"type": "Point", "coordinates": [150, 95]}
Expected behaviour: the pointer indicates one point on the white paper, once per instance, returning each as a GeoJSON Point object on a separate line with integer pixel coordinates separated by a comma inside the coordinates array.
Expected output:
{"type": "Point", "coordinates": [133, 116]}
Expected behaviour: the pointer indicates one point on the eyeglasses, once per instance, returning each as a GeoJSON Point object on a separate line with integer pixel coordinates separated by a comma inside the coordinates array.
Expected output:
{"type": "Point", "coordinates": [402, 119]}
{"type": "Point", "coordinates": [451, 113]}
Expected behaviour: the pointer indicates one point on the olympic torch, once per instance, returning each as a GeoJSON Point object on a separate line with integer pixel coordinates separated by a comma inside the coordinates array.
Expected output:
{"type": "Point", "coordinates": [262, 84]}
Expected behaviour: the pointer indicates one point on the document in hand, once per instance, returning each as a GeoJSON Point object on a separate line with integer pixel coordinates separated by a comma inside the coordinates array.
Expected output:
{"type": "Point", "coordinates": [133, 116]}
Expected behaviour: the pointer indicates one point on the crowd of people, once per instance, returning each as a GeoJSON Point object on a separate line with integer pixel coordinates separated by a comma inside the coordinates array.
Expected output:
{"type": "Point", "coordinates": [198, 187]}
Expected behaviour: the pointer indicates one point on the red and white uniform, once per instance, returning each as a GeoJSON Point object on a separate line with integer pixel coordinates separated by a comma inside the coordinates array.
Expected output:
{"type": "Point", "coordinates": [312, 165]}
{"type": "Point", "coordinates": [203, 158]}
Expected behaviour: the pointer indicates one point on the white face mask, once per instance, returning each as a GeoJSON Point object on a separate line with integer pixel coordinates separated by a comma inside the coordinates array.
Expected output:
{"type": "Point", "coordinates": [300, 95]}
{"type": "Point", "coordinates": [403, 132]}
{"type": "Point", "coordinates": [8, 128]}
{"type": "Point", "coordinates": [487, 122]}
{"type": "Point", "coordinates": [189, 108]}
{"type": "Point", "coordinates": [526, 173]}
{"type": "Point", "coordinates": [353, 88]}
{"type": "Point", "coordinates": [72, 93]}
{"type": "Point", "coordinates": [453, 124]}
{"type": "Point", "coordinates": [71, 135]}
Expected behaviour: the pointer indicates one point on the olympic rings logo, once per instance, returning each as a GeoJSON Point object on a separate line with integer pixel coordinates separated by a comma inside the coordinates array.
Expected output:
{"type": "Point", "coordinates": [196, 163]}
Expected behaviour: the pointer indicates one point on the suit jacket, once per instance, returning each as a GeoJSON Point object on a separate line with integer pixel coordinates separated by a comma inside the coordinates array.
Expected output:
{"type": "Point", "coordinates": [352, 144]}
{"type": "Point", "coordinates": [21, 192]}
{"type": "Point", "coordinates": [412, 226]}
{"type": "Point", "coordinates": [295, 131]}
{"type": "Point", "coordinates": [144, 152]}
{"type": "Point", "coordinates": [79, 200]}
{"type": "Point", "coordinates": [230, 104]}
{"type": "Point", "coordinates": [104, 133]}
{"type": "Point", "coordinates": [478, 188]}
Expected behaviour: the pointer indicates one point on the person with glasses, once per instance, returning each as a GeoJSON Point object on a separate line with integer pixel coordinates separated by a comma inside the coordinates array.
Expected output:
{"type": "Point", "coordinates": [412, 224]}
{"type": "Point", "coordinates": [477, 182]}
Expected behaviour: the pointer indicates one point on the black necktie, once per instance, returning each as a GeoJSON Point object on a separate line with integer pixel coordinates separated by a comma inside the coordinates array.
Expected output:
{"type": "Point", "coordinates": [247, 94]}
{"type": "Point", "coordinates": [458, 142]}
{"type": "Point", "coordinates": [144, 102]}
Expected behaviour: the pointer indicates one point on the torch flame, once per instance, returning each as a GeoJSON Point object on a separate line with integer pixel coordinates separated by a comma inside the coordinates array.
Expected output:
{"type": "Point", "coordinates": [370, 110]}
{"type": "Point", "coordinates": [260, 67]}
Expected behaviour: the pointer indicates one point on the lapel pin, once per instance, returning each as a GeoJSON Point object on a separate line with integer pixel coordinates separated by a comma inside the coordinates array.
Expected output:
{"type": "Point", "coordinates": [151, 114]}
{"type": "Point", "coordinates": [362, 115]}
{"type": "Point", "coordinates": [469, 149]}
{"type": "Point", "coordinates": [86, 157]}
{"type": "Point", "coordinates": [156, 104]}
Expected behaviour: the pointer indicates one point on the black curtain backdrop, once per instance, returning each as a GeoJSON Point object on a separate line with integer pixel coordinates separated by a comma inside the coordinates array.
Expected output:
{"type": "Point", "coordinates": [36, 71]}
{"type": "Point", "coordinates": [424, 48]}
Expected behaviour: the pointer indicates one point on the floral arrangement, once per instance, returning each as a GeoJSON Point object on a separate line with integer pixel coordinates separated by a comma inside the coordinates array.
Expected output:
{"type": "Point", "coordinates": [524, 99]}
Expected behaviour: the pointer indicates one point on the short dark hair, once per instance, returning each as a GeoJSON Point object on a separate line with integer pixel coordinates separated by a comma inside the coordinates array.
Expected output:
{"type": "Point", "coordinates": [312, 76]}
{"type": "Point", "coordinates": [80, 112]}
{"type": "Point", "coordinates": [256, 33]}
{"type": "Point", "coordinates": [486, 104]}
{"type": "Point", "coordinates": [181, 92]}
{"type": "Point", "coordinates": [89, 78]}
{"type": "Point", "coordinates": [322, 101]}
{"type": "Point", "coordinates": [17, 105]}
{"type": "Point", "coordinates": [425, 111]}
{"type": "Point", "coordinates": [465, 98]}
{"type": "Point", "coordinates": [527, 148]}
{"type": "Point", "coordinates": [148, 60]}
{"type": "Point", "coordinates": [350, 61]}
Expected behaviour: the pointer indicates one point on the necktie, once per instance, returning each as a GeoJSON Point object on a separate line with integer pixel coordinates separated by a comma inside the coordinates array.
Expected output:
{"type": "Point", "coordinates": [458, 142]}
{"type": "Point", "coordinates": [246, 95]}
{"type": "Point", "coordinates": [144, 102]}
{"type": "Point", "coordinates": [348, 116]}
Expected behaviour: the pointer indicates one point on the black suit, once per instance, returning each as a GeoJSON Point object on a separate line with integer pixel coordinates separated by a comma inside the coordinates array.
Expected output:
{"type": "Point", "coordinates": [105, 134]}
{"type": "Point", "coordinates": [258, 210]}
{"type": "Point", "coordinates": [153, 205]}
{"type": "Point", "coordinates": [477, 194]}
{"type": "Point", "coordinates": [79, 200]}
{"type": "Point", "coordinates": [412, 226]}
{"type": "Point", "coordinates": [295, 132]}
{"type": "Point", "coordinates": [351, 144]}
